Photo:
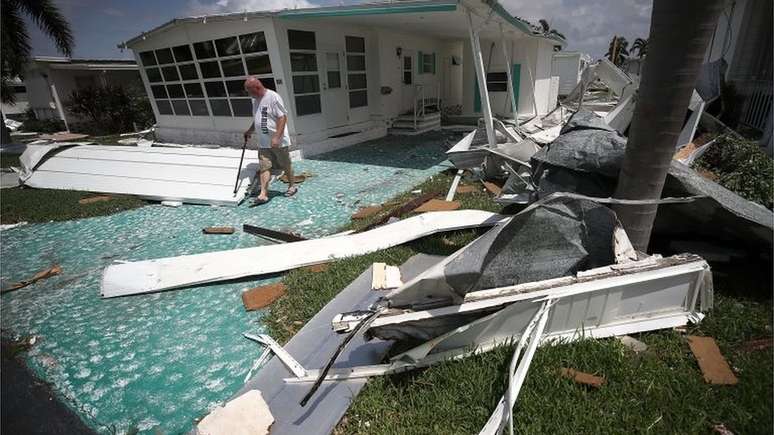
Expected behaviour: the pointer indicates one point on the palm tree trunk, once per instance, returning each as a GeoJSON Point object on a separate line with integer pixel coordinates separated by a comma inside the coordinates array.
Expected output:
{"type": "Point", "coordinates": [5, 134]}
{"type": "Point", "coordinates": [679, 35]}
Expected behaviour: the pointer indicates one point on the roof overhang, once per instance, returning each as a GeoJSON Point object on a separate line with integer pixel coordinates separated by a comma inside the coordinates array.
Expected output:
{"type": "Point", "coordinates": [444, 18]}
{"type": "Point", "coordinates": [65, 63]}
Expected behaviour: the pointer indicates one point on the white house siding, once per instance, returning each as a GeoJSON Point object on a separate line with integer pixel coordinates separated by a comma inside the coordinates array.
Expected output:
{"type": "Point", "coordinates": [567, 68]}
{"type": "Point", "coordinates": [208, 129]}
{"type": "Point", "coordinates": [534, 55]}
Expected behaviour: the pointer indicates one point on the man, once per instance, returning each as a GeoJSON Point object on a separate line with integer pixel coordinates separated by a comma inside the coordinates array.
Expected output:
{"type": "Point", "coordinates": [271, 118]}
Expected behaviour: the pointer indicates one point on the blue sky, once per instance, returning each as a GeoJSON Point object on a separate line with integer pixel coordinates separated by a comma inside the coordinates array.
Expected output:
{"type": "Point", "coordinates": [99, 25]}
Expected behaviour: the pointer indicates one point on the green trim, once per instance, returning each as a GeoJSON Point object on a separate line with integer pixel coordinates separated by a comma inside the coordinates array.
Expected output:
{"type": "Point", "coordinates": [396, 8]}
{"type": "Point", "coordinates": [476, 97]}
{"type": "Point", "coordinates": [515, 83]}
{"type": "Point", "coordinates": [521, 25]}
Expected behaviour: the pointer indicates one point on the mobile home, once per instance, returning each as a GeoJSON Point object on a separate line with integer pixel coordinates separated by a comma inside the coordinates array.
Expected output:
{"type": "Point", "coordinates": [346, 73]}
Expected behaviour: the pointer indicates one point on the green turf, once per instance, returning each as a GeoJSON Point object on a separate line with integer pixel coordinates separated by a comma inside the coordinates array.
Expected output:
{"type": "Point", "coordinates": [43, 205]}
{"type": "Point", "coordinates": [658, 391]}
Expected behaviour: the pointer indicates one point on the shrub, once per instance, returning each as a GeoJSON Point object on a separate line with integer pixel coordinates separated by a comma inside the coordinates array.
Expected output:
{"type": "Point", "coordinates": [110, 109]}
{"type": "Point", "coordinates": [742, 167]}
{"type": "Point", "coordinates": [43, 125]}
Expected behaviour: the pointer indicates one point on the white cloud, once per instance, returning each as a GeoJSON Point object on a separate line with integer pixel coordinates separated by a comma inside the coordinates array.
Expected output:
{"type": "Point", "coordinates": [113, 12]}
{"type": "Point", "coordinates": [207, 7]}
{"type": "Point", "coordinates": [588, 24]}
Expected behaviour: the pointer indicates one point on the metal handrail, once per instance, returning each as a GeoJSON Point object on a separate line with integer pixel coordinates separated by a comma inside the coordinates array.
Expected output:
{"type": "Point", "coordinates": [419, 95]}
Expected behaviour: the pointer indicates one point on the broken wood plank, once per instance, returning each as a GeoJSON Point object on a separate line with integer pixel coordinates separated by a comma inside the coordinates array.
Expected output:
{"type": "Point", "coordinates": [495, 189]}
{"type": "Point", "coordinates": [218, 230]}
{"type": "Point", "coordinates": [63, 136]}
{"type": "Point", "coordinates": [260, 297]}
{"type": "Point", "coordinates": [437, 205]}
{"type": "Point", "coordinates": [93, 199]}
{"type": "Point", "coordinates": [466, 188]}
{"type": "Point", "coordinates": [317, 268]}
{"type": "Point", "coordinates": [407, 207]}
{"type": "Point", "coordinates": [366, 212]}
{"type": "Point", "coordinates": [713, 366]}
{"type": "Point", "coordinates": [582, 378]}
{"type": "Point", "coordinates": [272, 234]}
{"type": "Point", "coordinates": [43, 274]}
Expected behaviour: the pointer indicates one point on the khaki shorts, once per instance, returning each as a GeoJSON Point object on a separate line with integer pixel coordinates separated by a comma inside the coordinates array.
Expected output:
{"type": "Point", "coordinates": [278, 158]}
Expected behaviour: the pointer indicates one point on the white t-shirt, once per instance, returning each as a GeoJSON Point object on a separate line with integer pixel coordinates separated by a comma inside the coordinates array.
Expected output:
{"type": "Point", "coordinates": [266, 111]}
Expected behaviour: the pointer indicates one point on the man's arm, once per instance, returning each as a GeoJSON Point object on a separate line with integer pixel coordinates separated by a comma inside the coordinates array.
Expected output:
{"type": "Point", "coordinates": [249, 131]}
{"type": "Point", "coordinates": [276, 140]}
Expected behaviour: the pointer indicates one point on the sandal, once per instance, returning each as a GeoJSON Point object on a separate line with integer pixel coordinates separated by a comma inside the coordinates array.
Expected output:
{"type": "Point", "coordinates": [259, 201]}
{"type": "Point", "coordinates": [291, 191]}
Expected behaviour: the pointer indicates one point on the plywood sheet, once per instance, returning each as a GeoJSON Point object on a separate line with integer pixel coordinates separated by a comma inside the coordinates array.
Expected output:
{"type": "Point", "coordinates": [437, 205]}
{"type": "Point", "coordinates": [713, 366]}
{"type": "Point", "coordinates": [261, 297]}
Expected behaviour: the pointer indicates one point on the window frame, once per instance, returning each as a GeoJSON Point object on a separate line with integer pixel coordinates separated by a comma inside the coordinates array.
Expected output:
{"type": "Point", "coordinates": [358, 72]}
{"type": "Point", "coordinates": [301, 96]}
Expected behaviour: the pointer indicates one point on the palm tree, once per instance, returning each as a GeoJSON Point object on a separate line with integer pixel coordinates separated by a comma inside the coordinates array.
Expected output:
{"type": "Point", "coordinates": [668, 79]}
{"type": "Point", "coordinates": [548, 30]}
{"type": "Point", "coordinates": [15, 43]}
{"type": "Point", "coordinates": [641, 47]}
{"type": "Point", "coordinates": [618, 51]}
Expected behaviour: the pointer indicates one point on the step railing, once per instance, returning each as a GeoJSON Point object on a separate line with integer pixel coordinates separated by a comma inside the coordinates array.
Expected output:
{"type": "Point", "coordinates": [420, 96]}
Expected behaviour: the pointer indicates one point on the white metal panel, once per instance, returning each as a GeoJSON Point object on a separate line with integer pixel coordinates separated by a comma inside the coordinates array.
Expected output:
{"type": "Point", "coordinates": [174, 272]}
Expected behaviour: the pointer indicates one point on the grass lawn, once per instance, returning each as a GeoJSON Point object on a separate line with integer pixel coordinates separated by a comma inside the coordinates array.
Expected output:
{"type": "Point", "coordinates": [658, 391]}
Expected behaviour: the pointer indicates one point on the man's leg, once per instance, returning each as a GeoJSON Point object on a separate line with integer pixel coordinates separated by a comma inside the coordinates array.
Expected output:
{"type": "Point", "coordinates": [283, 157]}
{"type": "Point", "coordinates": [264, 174]}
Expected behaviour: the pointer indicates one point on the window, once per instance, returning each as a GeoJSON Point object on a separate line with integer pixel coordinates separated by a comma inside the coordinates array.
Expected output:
{"type": "Point", "coordinates": [220, 107]}
{"type": "Point", "coordinates": [215, 89]}
{"type": "Point", "coordinates": [194, 90]}
{"type": "Point", "coordinates": [204, 50]}
{"type": "Point", "coordinates": [258, 64]}
{"type": "Point", "coordinates": [170, 74]}
{"type": "Point", "coordinates": [253, 42]}
{"type": "Point", "coordinates": [333, 69]}
{"type": "Point", "coordinates": [182, 53]}
{"type": "Point", "coordinates": [242, 106]}
{"type": "Point", "coordinates": [426, 63]}
{"type": "Point", "coordinates": [164, 56]}
{"type": "Point", "coordinates": [188, 72]}
{"type": "Point", "coordinates": [497, 82]}
{"type": "Point", "coordinates": [408, 70]}
{"type": "Point", "coordinates": [301, 40]}
{"type": "Point", "coordinates": [154, 75]}
{"type": "Point", "coordinates": [186, 80]}
{"type": "Point", "coordinates": [164, 107]}
{"type": "Point", "coordinates": [227, 46]}
{"type": "Point", "coordinates": [236, 88]}
{"type": "Point", "coordinates": [175, 91]}
{"type": "Point", "coordinates": [233, 67]}
{"type": "Point", "coordinates": [356, 71]}
{"type": "Point", "coordinates": [303, 67]}
{"type": "Point", "coordinates": [181, 108]}
{"type": "Point", "coordinates": [210, 69]}
{"type": "Point", "coordinates": [147, 58]}
{"type": "Point", "coordinates": [198, 108]}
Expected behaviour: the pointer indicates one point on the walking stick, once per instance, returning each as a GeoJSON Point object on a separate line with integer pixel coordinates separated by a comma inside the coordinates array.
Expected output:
{"type": "Point", "coordinates": [239, 171]}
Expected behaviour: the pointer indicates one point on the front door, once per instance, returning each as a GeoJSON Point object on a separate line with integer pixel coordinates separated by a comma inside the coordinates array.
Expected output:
{"type": "Point", "coordinates": [407, 80]}
{"type": "Point", "coordinates": [334, 95]}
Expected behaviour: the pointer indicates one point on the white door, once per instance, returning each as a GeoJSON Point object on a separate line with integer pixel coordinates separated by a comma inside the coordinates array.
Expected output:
{"type": "Point", "coordinates": [335, 105]}
{"type": "Point", "coordinates": [408, 78]}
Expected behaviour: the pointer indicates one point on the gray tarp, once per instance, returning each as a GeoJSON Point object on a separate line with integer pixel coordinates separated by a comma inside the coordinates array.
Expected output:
{"type": "Point", "coordinates": [587, 157]}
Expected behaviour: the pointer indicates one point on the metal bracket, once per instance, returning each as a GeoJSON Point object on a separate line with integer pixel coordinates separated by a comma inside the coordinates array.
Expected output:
{"type": "Point", "coordinates": [288, 360]}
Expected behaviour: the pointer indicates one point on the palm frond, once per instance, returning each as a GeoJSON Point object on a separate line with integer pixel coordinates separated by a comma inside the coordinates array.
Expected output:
{"type": "Point", "coordinates": [45, 14]}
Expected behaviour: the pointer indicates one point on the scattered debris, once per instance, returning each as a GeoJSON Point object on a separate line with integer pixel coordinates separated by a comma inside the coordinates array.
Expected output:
{"type": "Point", "coordinates": [407, 207]}
{"type": "Point", "coordinates": [93, 199]}
{"type": "Point", "coordinates": [758, 344]}
{"type": "Point", "coordinates": [437, 205]}
{"type": "Point", "coordinates": [297, 178]}
{"type": "Point", "coordinates": [493, 188]}
{"type": "Point", "coordinates": [271, 234]}
{"type": "Point", "coordinates": [173, 204]}
{"type": "Point", "coordinates": [317, 268]}
{"type": "Point", "coordinates": [218, 230]}
{"type": "Point", "coordinates": [130, 141]}
{"type": "Point", "coordinates": [248, 414]}
{"type": "Point", "coordinates": [138, 133]}
{"type": "Point", "coordinates": [43, 274]}
{"type": "Point", "coordinates": [385, 277]}
{"type": "Point", "coordinates": [11, 124]}
{"type": "Point", "coordinates": [632, 343]}
{"type": "Point", "coordinates": [9, 226]}
{"type": "Point", "coordinates": [8, 178]}
{"type": "Point", "coordinates": [466, 188]}
{"type": "Point", "coordinates": [366, 212]}
{"type": "Point", "coordinates": [147, 276]}
{"type": "Point", "coordinates": [721, 429]}
{"type": "Point", "coordinates": [582, 378]}
{"type": "Point", "coordinates": [713, 366]}
{"type": "Point", "coordinates": [263, 296]}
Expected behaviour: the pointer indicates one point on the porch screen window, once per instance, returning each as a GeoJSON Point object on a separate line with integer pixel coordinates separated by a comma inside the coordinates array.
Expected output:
{"type": "Point", "coordinates": [189, 79]}
{"type": "Point", "coordinates": [426, 63]}
{"type": "Point", "coordinates": [497, 82]}
{"type": "Point", "coordinates": [303, 68]}
{"type": "Point", "coordinates": [356, 71]}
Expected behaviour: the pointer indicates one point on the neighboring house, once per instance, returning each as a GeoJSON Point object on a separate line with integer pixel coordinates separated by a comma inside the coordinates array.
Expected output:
{"type": "Point", "coordinates": [568, 66]}
{"type": "Point", "coordinates": [51, 80]}
{"type": "Point", "coordinates": [346, 73]}
{"type": "Point", "coordinates": [743, 38]}
{"type": "Point", "coordinates": [16, 110]}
